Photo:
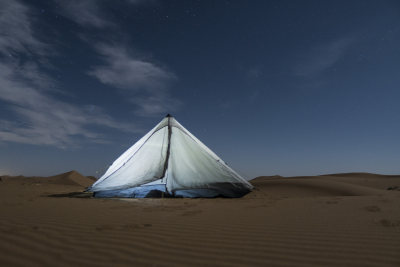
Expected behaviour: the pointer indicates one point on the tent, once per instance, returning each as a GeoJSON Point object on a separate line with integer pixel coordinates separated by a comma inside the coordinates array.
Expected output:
{"type": "Point", "coordinates": [169, 161]}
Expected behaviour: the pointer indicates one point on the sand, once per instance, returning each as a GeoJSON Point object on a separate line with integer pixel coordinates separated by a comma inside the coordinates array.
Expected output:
{"type": "Point", "coordinates": [333, 220]}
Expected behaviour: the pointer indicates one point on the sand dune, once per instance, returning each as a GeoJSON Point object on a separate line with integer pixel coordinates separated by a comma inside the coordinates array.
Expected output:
{"type": "Point", "coordinates": [309, 187]}
{"type": "Point", "coordinates": [376, 181]}
{"type": "Point", "coordinates": [73, 178]}
{"type": "Point", "coordinates": [332, 220]}
{"type": "Point", "coordinates": [69, 178]}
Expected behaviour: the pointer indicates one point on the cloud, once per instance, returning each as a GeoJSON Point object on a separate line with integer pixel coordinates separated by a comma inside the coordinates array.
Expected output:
{"type": "Point", "coordinates": [126, 71]}
{"type": "Point", "coordinates": [38, 116]}
{"type": "Point", "coordinates": [146, 81]}
{"type": "Point", "coordinates": [253, 73]}
{"type": "Point", "coordinates": [5, 171]}
{"type": "Point", "coordinates": [154, 105]}
{"type": "Point", "coordinates": [85, 12]}
{"type": "Point", "coordinates": [90, 13]}
{"type": "Point", "coordinates": [16, 31]}
{"type": "Point", "coordinates": [44, 120]}
{"type": "Point", "coordinates": [135, 2]}
{"type": "Point", "coordinates": [321, 58]}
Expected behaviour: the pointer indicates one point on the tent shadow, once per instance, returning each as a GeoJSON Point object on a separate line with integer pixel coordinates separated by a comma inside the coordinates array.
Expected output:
{"type": "Point", "coordinates": [72, 195]}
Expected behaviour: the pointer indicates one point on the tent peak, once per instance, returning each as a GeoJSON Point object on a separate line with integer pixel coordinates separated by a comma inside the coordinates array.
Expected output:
{"type": "Point", "coordinates": [168, 115]}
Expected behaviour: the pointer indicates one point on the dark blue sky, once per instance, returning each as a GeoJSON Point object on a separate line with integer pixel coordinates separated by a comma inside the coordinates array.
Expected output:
{"type": "Point", "coordinates": [273, 87]}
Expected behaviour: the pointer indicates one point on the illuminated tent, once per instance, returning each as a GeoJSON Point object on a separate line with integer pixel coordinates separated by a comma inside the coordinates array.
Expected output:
{"type": "Point", "coordinates": [169, 161]}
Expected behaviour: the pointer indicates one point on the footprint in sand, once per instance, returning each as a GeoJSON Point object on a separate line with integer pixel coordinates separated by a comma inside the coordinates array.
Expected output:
{"type": "Point", "coordinates": [389, 223]}
{"type": "Point", "coordinates": [104, 227]}
{"type": "Point", "coordinates": [130, 227]}
{"type": "Point", "coordinates": [373, 208]}
{"type": "Point", "coordinates": [331, 202]}
{"type": "Point", "coordinates": [191, 213]}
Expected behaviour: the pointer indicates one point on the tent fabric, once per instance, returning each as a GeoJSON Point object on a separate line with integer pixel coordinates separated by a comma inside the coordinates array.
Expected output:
{"type": "Point", "coordinates": [170, 160]}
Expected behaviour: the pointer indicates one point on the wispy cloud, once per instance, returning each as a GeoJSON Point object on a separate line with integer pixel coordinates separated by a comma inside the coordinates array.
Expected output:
{"type": "Point", "coordinates": [146, 82]}
{"type": "Point", "coordinates": [154, 105]}
{"type": "Point", "coordinates": [42, 119]}
{"type": "Point", "coordinates": [253, 73]}
{"type": "Point", "coordinates": [5, 171]}
{"type": "Point", "coordinates": [320, 58]}
{"type": "Point", "coordinates": [90, 13]}
{"type": "Point", "coordinates": [16, 34]}
{"type": "Point", "coordinates": [124, 70]}
{"type": "Point", "coordinates": [38, 116]}
{"type": "Point", "coordinates": [85, 12]}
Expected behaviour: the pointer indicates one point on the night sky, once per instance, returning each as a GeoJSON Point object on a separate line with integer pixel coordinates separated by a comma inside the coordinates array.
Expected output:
{"type": "Point", "coordinates": [272, 87]}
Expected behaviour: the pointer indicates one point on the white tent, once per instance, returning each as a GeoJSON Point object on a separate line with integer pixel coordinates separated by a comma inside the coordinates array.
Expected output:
{"type": "Point", "coordinates": [170, 161]}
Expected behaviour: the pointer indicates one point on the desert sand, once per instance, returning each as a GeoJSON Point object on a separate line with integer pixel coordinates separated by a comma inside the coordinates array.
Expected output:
{"type": "Point", "coordinates": [331, 220]}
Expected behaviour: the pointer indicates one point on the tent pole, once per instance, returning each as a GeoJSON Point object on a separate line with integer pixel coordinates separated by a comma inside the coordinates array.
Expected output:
{"type": "Point", "coordinates": [168, 153]}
